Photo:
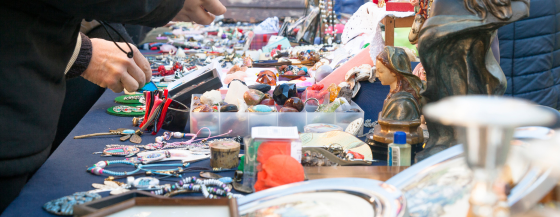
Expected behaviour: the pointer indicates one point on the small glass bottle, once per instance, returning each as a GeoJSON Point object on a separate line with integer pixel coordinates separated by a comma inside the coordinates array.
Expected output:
{"type": "Point", "coordinates": [399, 151]}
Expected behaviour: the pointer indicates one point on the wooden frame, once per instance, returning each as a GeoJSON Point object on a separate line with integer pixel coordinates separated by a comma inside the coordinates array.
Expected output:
{"type": "Point", "coordinates": [391, 23]}
{"type": "Point", "coordinates": [148, 201]}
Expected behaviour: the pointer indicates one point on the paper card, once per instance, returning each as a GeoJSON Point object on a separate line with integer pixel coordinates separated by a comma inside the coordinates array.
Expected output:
{"type": "Point", "coordinates": [274, 133]}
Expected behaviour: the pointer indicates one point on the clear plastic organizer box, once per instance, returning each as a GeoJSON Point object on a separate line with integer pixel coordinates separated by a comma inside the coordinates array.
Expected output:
{"type": "Point", "coordinates": [240, 123]}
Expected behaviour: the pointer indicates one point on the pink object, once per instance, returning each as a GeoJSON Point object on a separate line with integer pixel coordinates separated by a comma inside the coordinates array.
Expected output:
{"type": "Point", "coordinates": [420, 72]}
{"type": "Point", "coordinates": [338, 75]}
{"type": "Point", "coordinates": [339, 28]}
{"type": "Point", "coordinates": [241, 75]}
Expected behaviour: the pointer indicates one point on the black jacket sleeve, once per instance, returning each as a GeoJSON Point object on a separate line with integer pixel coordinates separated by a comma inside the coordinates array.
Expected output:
{"type": "Point", "coordinates": [152, 13]}
{"type": "Point", "coordinates": [82, 60]}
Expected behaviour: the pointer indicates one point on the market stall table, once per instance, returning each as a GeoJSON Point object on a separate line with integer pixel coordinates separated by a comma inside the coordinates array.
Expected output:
{"type": "Point", "coordinates": [64, 173]}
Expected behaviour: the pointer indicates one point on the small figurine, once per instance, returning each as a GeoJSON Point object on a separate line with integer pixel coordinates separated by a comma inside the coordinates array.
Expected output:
{"type": "Point", "coordinates": [267, 77]}
{"type": "Point", "coordinates": [401, 110]}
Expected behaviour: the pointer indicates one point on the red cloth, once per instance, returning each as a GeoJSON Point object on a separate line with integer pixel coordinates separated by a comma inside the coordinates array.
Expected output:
{"type": "Point", "coordinates": [279, 170]}
{"type": "Point", "coordinates": [260, 40]}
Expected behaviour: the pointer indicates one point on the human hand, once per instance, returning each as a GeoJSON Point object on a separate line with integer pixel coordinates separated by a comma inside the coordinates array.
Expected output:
{"type": "Point", "coordinates": [200, 11]}
{"type": "Point", "coordinates": [110, 67]}
{"type": "Point", "coordinates": [414, 3]}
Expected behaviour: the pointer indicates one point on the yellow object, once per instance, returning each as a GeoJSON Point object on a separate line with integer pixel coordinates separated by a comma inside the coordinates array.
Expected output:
{"type": "Point", "coordinates": [333, 91]}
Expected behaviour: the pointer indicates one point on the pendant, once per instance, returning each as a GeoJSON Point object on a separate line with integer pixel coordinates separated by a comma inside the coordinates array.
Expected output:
{"type": "Point", "coordinates": [209, 175]}
{"type": "Point", "coordinates": [127, 151]}
{"type": "Point", "coordinates": [65, 205]}
{"type": "Point", "coordinates": [145, 182]}
{"type": "Point", "coordinates": [112, 186]}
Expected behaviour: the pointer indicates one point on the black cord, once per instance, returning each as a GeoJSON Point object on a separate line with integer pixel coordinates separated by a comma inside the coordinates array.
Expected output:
{"type": "Point", "coordinates": [128, 54]}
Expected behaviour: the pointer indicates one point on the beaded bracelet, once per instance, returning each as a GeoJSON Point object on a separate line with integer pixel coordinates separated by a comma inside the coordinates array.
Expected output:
{"type": "Point", "coordinates": [99, 168]}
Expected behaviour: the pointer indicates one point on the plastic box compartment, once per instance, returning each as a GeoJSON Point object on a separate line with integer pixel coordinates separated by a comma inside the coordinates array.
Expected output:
{"type": "Point", "coordinates": [240, 123]}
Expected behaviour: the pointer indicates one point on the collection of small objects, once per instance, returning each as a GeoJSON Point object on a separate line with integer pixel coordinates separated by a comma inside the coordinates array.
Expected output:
{"type": "Point", "coordinates": [255, 85]}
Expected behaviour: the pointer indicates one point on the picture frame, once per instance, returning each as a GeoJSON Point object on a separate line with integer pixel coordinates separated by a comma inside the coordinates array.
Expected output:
{"type": "Point", "coordinates": [157, 206]}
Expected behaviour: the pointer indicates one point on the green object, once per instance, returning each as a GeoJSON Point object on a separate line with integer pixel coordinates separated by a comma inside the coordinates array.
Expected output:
{"type": "Point", "coordinates": [331, 107]}
{"type": "Point", "coordinates": [120, 99]}
{"type": "Point", "coordinates": [241, 163]}
{"type": "Point", "coordinates": [126, 114]}
{"type": "Point", "coordinates": [401, 39]}
{"type": "Point", "coordinates": [365, 45]}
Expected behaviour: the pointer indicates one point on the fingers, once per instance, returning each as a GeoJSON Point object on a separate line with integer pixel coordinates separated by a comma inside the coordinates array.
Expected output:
{"type": "Point", "coordinates": [182, 17]}
{"type": "Point", "coordinates": [144, 65]}
{"type": "Point", "coordinates": [115, 87]}
{"type": "Point", "coordinates": [198, 15]}
{"type": "Point", "coordinates": [214, 6]}
{"type": "Point", "coordinates": [129, 83]}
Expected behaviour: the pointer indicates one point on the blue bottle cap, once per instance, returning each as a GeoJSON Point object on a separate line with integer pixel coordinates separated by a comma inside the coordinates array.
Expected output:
{"type": "Point", "coordinates": [399, 137]}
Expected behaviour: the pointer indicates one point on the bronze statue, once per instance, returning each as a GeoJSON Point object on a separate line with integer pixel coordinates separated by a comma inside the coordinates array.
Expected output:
{"type": "Point", "coordinates": [401, 110]}
{"type": "Point", "coordinates": [454, 48]}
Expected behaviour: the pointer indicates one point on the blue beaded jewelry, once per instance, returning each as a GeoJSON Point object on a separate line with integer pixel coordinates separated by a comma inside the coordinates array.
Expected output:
{"type": "Point", "coordinates": [99, 168]}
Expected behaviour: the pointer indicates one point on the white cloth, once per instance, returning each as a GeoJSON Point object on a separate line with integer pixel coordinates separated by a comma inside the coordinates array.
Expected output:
{"type": "Point", "coordinates": [366, 21]}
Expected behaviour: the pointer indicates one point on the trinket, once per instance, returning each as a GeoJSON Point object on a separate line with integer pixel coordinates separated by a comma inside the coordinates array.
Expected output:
{"type": "Point", "coordinates": [235, 92]}
{"type": "Point", "coordinates": [212, 97]}
{"type": "Point", "coordinates": [65, 205]}
{"type": "Point", "coordinates": [355, 127]}
{"type": "Point", "coordinates": [225, 154]}
{"type": "Point", "coordinates": [112, 186]}
{"type": "Point", "coordinates": [283, 92]}
{"type": "Point", "coordinates": [229, 108]}
{"type": "Point", "coordinates": [288, 109]}
{"type": "Point", "coordinates": [203, 108]}
{"type": "Point", "coordinates": [260, 108]}
{"type": "Point", "coordinates": [267, 77]}
{"type": "Point", "coordinates": [261, 87]}
{"type": "Point", "coordinates": [267, 102]}
{"type": "Point", "coordinates": [119, 132]}
{"type": "Point", "coordinates": [333, 91]}
{"type": "Point", "coordinates": [294, 102]}
{"type": "Point", "coordinates": [209, 175]}
{"type": "Point", "coordinates": [127, 151]}
{"type": "Point", "coordinates": [145, 182]}
{"type": "Point", "coordinates": [253, 97]}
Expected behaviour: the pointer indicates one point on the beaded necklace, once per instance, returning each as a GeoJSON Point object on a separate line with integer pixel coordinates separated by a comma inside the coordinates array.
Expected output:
{"type": "Point", "coordinates": [193, 184]}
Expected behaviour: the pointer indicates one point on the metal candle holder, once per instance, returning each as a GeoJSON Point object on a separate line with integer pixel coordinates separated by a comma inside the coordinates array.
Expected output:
{"type": "Point", "coordinates": [486, 125]}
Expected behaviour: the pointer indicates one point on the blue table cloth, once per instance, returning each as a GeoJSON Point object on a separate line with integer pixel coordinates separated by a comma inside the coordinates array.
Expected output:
{"type": "Point", "coordinates": [64, 173]}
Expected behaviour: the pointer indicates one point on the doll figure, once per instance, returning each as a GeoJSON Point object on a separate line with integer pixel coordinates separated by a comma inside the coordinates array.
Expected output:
{"type": "Point", "coordinates": [401, 110]}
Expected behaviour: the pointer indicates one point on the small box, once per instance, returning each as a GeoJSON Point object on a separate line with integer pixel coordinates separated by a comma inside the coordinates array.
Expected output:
{"type": "Point", "coordinates": [266, 142]}
{"type": "Point", "coordinates": [209, 80]}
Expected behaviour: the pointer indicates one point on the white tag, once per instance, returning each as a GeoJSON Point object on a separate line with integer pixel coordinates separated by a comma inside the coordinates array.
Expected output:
{"type": "Point", "coordinates": [296, 150]}
{"type": "Point", "coordinates": [274, 133]}
{"type": "Point", "coordinates": [396, 156]}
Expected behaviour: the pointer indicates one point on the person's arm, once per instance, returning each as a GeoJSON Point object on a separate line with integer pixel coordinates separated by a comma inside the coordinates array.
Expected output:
{"type": "Point", "coordinates": [152, 13]}
{"type": "Point", "coordinates": [104, 64]}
